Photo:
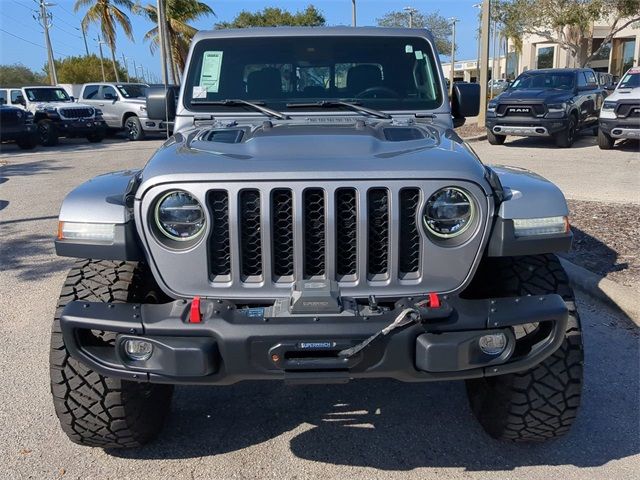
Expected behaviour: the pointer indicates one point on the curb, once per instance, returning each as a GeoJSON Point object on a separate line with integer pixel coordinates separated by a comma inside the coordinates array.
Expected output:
{"type": "Point", "coordinates": [477, 138]}
{"type": "Point", "coordinates": [619, 296]}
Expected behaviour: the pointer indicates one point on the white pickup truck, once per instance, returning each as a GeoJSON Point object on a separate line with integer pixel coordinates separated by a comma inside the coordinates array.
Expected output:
{"type": "Point", "coordinates": [620, 113]}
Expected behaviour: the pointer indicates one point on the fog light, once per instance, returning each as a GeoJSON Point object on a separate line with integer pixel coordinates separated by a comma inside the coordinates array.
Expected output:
{"type": "Point", "coordinates": [493, 344]}
{"type": "Point", "coordinates": [139, 350]}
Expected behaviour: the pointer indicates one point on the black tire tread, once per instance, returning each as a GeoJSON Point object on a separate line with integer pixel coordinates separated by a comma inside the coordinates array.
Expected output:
{"type": "Point", "coordinates": [605, 142]}
{"type": "Point", "coordinates": [495, 139]}
{"type": "Point", "coordinates": [540, 403]}
{"type": "Point", "coordinates": [95, 410]}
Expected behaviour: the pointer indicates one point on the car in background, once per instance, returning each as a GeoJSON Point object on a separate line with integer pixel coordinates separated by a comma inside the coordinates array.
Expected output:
{"type": "Point", "coordinates": [554, 102]}
{"type": "Point", "coordinates": [56, 114]}
{"type": "Point", "coordinates": [620, 114]}
{"type": "Point", "coordinates": [16, 125]}
{"type": "Point", "coordinates": [497, 86]}
{"type": "Point", "coordinates": [124, 107]}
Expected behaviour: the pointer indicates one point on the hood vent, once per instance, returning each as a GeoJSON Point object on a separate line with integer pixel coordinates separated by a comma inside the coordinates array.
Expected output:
{"type": "Point", "coordinates": [223, 136]}
{"type": "Point", "coordinates": [402, 134]}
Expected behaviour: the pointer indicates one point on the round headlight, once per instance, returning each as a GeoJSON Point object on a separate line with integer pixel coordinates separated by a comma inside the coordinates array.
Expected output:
{"type": "Point", "coordinates": [180, 216]}
{"type": "Point", "coordinates": [448, 212]}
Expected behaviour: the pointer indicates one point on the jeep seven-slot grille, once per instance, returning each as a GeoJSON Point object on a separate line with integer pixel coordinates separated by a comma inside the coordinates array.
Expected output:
{"type": "Point", "coordinates": [76, 112]}
{"type": "Point", "coordinates": [341, 233]}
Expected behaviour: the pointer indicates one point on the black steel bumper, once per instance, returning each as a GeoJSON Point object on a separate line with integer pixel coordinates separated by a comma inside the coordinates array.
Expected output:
{"type": "Point", "coordinates": [80, 128]}
{"type": "Point", "coordinates": [231, 345]}
{"type": "Point", "coordinates": [628, 127]}
{"type": "Point", "coordinates": [526, 126]}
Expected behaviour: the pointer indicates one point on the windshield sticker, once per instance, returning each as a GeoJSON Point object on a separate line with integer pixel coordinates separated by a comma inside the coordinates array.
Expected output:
{"type": "Point", "coordinates": [419, 55]}
{"type": "Point", "coordinates": [199, 92]}
{"type": "Point", "coordinates": [408, 49]}
{"type": "Point", "coordinates": [210, 76]}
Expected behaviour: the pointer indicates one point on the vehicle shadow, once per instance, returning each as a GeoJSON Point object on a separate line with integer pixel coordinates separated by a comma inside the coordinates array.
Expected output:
{"type": "Point", "coordinates": [79, 145]}
{"type": "Point", "coordinates": [38, 167]}
{"type": "Point", "coordinates": [583, 140]}
{"type": "Point", "coordinates": [592, 254]}
{"type": "Point", "coordinates": [389, 425]}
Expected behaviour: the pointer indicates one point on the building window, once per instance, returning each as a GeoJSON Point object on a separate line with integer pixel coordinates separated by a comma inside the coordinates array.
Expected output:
{"type": "Point", "coordinates": [545, 57]}
{"type": "Point", "coordinates": [622, 57]}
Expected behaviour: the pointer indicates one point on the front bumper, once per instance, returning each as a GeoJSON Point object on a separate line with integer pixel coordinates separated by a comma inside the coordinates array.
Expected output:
{"type": "Point", "coordinates": [80, 127]}
{"type": "Point", "coordinates": [526, 126]}
{"type": "Point", "coordinates": [621, 127]}
{"type": "Point", "coordinates": [17, 133]}
{"type": "Point", "coordinates": [230, 344]}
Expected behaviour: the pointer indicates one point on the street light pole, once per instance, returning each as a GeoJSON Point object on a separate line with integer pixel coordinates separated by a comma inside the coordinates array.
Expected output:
{"type": "Point", "coordinates": [411, 11]}
{"type": "Point", "coordinates": [454, 20]}
{"type": "Point", "coordinates": [46, 21]}
{"type": "Point", "coordinates": [478, 5]}
{"type": "Point", "coordinates": [100, 42]}
{"type": "Point", "coordinates": [126, 67]}
{"type": "Point", "coordinates": [484, 58]}
{"type": "Point", "coordinates": [84, 37]}
{"type": "Point", "coordinates": [353, 13]}
{"type": "Point", "coordinates": [141, 68]}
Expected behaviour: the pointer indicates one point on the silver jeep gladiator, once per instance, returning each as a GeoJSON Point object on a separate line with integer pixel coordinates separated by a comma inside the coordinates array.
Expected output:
{"type": "Point", "coordinates": [314, 219]}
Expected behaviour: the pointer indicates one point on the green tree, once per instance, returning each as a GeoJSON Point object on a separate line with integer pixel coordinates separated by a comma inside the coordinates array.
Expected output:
{"type": "Point", "coordinates": [84, 69]}
{"type": "Point", "coordinates": [439, 26]}
{"type": "Point", "coordinates": [17, 75]}
{"type": "Point", "coordinates": [178, 14]}
{"type": "Point", "coordinates": [107, 14]}
{"type": "Point", "coordinates": [566, 22]}
{"type": "Point", "coordinates": [275, 17]}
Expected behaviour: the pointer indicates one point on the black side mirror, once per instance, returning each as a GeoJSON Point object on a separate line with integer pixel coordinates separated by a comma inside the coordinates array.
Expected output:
{"type": "Point", "coordinates": [610, 87]}
{"type": "Point", "coordinates": [109, 96]}
{"type": "Point", "coordinates": [161, 103]}
{"type": "Point", "coordinates": [20, 101]}
{"type": "Point", "coordinates": [466, 100]}
{"type": "Point", "coordinates": [72, 98]}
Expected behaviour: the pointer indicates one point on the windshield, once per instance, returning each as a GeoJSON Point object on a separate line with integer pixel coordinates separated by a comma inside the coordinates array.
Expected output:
{"type": "Point", "coordinates": [47, 95]}
{"type": "Point", "coordinates": [558, 80]}
{"type": "Point", "coordinates": [387, 73]}
{"type": "Point", "coordinates": [630, 80]}
{"type": "Point", "coordinates": [133, 90]}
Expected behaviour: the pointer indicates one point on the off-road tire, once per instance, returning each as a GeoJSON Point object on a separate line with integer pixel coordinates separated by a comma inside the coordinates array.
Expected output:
{"type": "Point", "coordinates": [28, 142]}
{"type": "Point", "coordinates": [566, 137]}
{"type": "Point", "coordinates": [495, 139]}
{"type": "Point", "coordinates": [540, 403]}
{"type": "Point", "coordinates": [605, 142]}
{"type": "Point", "coordinates": [48, 133]}
{"type": "Point", "coordinates": [95, 410]}
{"type": "Point", "coordinates": [133, 128]}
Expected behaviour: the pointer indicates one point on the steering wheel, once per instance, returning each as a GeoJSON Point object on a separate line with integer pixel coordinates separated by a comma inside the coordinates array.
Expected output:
{"type": "Point", "coordinates": [372, 91]}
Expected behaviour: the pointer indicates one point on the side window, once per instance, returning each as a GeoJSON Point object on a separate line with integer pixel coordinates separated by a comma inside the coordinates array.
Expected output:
{"type": "Point", "coordinates": [109, 93]}
{"type": "Point", "coordinates": [591, 79]}
{"type": "Point", "coordinates": [16, 95]}
{"type": "Point", "coordinates": [90, 92]}
{"type": "Point", "coordinates": [3, 97]}
{"type": "Point", "coordinates": [582, 80]}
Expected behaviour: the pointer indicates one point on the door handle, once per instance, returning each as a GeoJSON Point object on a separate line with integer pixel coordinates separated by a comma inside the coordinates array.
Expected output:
{"type": "Point", "coordinates": [101, 104]}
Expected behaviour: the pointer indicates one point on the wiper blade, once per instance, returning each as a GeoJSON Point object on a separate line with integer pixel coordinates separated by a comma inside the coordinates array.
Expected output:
{"type": "Point", "coordinates": [257, 106]}
{"type": "Point", "coordinates": [354, 106]}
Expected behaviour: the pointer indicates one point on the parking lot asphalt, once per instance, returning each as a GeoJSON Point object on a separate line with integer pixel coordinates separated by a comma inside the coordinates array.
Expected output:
{"type": "Point", "coordinates": [376, 429]}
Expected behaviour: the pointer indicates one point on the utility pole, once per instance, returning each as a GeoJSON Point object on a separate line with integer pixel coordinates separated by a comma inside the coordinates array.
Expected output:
{"type": "Point", "coordinates": [126, 67]}
{"type": "Point", "coordinates": [46, 20]}
{"type": "Point", "coordinates": [141, 68]}
{"type": "Point", "coordinates": [454, 20]}
{"type": "Point", "coordinates": [494, 68]}
{"type": "Point", "coordinates": [100, 42]}
{"type": "Point", "coordinates": [411, 11]}
{"type": "Point", "coordinates": [484, 59]}
{"type": "Point", "coordinates": [162, 41]}
{"type": "Point", "coordinates": [353, 13]}
{"type": "Point", "coordinates": [478, 5]}
{"type": "Point", "coordinates": [84, 37]}
{"type": "Point", "coordinates": [135, 68]}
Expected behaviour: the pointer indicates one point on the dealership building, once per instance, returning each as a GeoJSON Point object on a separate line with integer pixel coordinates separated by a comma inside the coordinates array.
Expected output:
{"type": "Point", "coordinates": [622, 53]}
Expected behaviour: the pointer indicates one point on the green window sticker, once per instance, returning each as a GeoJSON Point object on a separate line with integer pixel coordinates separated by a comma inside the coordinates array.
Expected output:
{"type": "Point", "coordinates": [210, 76]}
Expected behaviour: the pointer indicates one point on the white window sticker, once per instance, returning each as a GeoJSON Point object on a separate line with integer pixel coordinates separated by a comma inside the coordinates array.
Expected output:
{"type": "Point", "coordinates": [408, 49]}
{"type": "Point", "coordinates": [419, 55]}
{"type": "Point", "coordinates": [210, 76]}
{"type": "Point", "coordinates": [199, 92]}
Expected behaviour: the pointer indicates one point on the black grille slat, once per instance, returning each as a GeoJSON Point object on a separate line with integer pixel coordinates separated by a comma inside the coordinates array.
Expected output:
{"type": "Point", "coordinates": [250, 233]}
{"type": "Point", "coordinates": [76, 112]}
{"type": "Point", "coordinates": [378, 231]}
{"type": "Point", "coordinates": [346, 232]}
{"type": "Point", "coordinates": [314, 232]}
{"type": "Point", "coordinates": [282, 232]}
{"type": "Point", "coordinates": [219, 241]}
{"type": "Point", "coordinates": [627, 110]}
{"type": "Point", "coordinates": [409, 234]}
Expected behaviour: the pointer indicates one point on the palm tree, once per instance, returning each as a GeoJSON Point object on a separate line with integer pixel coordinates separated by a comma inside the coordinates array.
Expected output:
{"type": "Point", "coordinates": [108, 15]}
{"type": "Point", "coordinates": [178, 14]}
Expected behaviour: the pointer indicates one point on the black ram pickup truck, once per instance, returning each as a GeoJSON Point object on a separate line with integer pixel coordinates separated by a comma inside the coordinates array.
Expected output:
{"type": "Point", "coordinates": [16, 125]}
{"type": "Point", "coordinates": [554, 103]}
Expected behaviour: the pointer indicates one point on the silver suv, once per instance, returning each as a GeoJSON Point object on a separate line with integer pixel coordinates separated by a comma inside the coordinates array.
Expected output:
{"type": "Point", "coordinates": [124, 106]}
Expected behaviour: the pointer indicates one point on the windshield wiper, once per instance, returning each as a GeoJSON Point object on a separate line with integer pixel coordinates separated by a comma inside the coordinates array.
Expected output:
{"type": "Point", "coordinates": [354, 106]}
{"type": "Point", "coordinates": [238, 103]}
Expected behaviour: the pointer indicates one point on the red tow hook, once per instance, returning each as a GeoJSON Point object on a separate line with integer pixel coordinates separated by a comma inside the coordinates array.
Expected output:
{"type": "Point", "coordinates": [434, 300]}
{"type": "Point", "coordinates": [194, 314]}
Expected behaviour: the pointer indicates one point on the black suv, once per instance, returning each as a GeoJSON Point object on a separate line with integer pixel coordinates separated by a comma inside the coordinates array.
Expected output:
{"type": "Point", "coordinates": [549, 102]}
{"type": "Point", "coordinates": [16, 125]}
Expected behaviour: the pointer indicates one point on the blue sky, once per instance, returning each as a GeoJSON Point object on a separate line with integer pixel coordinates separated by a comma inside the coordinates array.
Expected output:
{"type": "Point", "coordinates": [16, 21]}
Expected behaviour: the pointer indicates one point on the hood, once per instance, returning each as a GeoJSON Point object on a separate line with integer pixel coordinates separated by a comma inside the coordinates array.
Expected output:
{"type": "Point", "coordinates": [534, 94]}
{"type": "Point", "coordinates": [43, 105]}
{"type": "Point", "coordinates": [137, 101]}
{"type": "Point", "coordinates": [625, 94]}
{"type": "Point", "coordinates": [300, 151]}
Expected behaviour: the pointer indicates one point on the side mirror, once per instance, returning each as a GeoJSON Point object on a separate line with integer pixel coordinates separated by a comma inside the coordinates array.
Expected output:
{"type": "Point", "coordinates": [161, 103]}
{"type": "Point", "coordinates": [72, 98]}
{"type": "Point", "coordinates": [466, 100]}
{"type": "Point", "coordinates": [109, 96]}
{"type": "Point", "coordinates": [20, 101]}
{"type": "Point", "coordinates": [610, 87]}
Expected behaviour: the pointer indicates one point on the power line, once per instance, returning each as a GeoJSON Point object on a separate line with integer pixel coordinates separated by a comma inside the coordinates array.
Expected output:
{"type": "Point", "coordinates": [21, 23]}
{"type": "Point", "coordinates": [65, 31]}
{"type": "Point", "coordinates": [32, 43]}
